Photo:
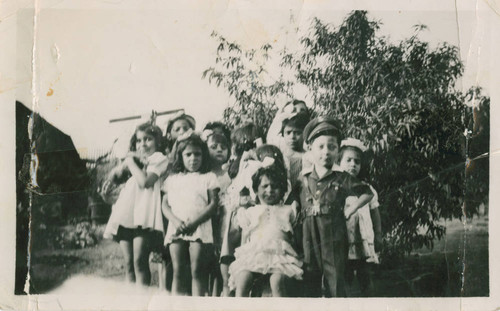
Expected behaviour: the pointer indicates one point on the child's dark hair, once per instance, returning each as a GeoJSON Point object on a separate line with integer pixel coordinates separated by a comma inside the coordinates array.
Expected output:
{"type": "Point", "coordinates": [182, 116]}
{"type": "Point", "coordinates": [223, 128]}
{"type": "Point", "coordinates": [271, 151]}
{"type": "Point", "coordinates": [193, 140]}
{"type": "Point", "coordinates": [363, 173]}
{"type": "Point", "coordinates": [149, 129]}
{"type": "Point", "coordinates": [275, 174]}
{"type": "Point", "coordinates": [243, 139]}
{"type": "Point", "coordinates": [299, 121]}
{"type": "Point", "coordinates": [295, 102]}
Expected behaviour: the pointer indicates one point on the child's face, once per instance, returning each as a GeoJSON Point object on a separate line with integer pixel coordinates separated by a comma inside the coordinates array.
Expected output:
{"type": "Point", "coordinates": [192, 158]}
{"type": "Point", "coordinates": [145, 144]}
{"type": "Point", "coordinates": [293, 137]}
{"type": "Point", "coordinates": [268, 191]}
{"type": "Point", "coordinates": [324, 150]}
{"type": "Point", "coordinates": [179, 127]}
{"type": "Point", "coordinates": [351, 162]}
{"type": "Point", "coordinates": [218, 151]}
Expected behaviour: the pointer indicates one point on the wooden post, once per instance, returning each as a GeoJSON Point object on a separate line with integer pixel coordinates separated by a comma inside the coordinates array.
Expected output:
{"type": "Point", "coordinates": [154, 114]}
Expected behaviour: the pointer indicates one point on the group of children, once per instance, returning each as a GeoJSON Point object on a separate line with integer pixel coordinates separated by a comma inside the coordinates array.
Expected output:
{"type": "Point", "coordinates": [229, 211]}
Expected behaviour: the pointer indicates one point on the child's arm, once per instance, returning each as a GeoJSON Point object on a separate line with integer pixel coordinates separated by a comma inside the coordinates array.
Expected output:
{"type": "Point", "coordinates": [144, 180]}
{"type": "Point", "coordinates": [179, 225]}
{"type": "Point", "coordinates": [377, 227]}
{"type": "Point", "coordinates": [350, 209]}
{"type": "Point", "coordinates": [213, 201]}
{"type": "Point", "coordinates": [273, 133]}
{"type": "Point", "coordinates": [357, 188]}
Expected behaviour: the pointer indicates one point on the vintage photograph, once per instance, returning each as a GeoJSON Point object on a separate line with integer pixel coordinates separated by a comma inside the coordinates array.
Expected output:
{"type": "Point", "coordinates": [227, 149]}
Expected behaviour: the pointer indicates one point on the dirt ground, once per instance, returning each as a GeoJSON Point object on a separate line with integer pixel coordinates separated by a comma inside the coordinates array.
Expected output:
{"type": "Point", "coordinates": [425, 273]}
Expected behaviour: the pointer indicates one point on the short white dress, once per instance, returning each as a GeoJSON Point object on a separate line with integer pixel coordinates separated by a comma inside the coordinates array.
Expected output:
{"type": "Point", "coordinates": [268, 249]}
{"type": "Point", "coordinates": [360, 234]}
{"type": "Point", "coordinates": [187, 195]}
{"type": "Point", "coordinates": [139, 207]}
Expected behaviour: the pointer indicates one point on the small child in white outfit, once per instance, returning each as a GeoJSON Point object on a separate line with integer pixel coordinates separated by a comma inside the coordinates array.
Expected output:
{"type": "Point", "coordinates": [268, 250]}
{"type": "Point", "coordinates": [190, 200]}
{"type": "Point", "coordinates": [136, 215]}
{"type": "Point", "coordinates": [363, 228]}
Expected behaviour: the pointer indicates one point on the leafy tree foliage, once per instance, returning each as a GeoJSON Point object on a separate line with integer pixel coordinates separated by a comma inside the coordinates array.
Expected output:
{"type": "Point", "coordinates": [401, 99]}
{"type": "Point", "coordinates": [243, 73]}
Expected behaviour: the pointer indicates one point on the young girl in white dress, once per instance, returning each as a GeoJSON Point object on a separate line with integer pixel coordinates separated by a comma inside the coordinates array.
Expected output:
{"type": "Point", "coordinates": [218, 147]}
{"type": "Point", "coordinates": [136, 216]}
{"type": "Point", "coordinates": [244, 140]}
{"type": "Point", "coordinates": [363, 228]}
{"type": "Point", "coordinates": [191, 198]}
{"type": "Point", "coordinates": [268, 250]}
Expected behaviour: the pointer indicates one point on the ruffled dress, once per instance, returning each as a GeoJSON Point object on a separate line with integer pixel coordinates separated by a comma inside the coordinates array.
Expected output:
{"type": "Point", "coordinates": [138, 207]}
{"type": "Point", "coordinates": [187, 195]}
{"type": "Point", "coordinates": [268, 249]}
{"type": "Point", "coordinates": [360, 234]}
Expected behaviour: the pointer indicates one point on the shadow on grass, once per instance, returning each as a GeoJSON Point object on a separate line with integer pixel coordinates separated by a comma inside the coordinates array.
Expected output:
{"type": "Point", "coordinates": [457, 266]}
{"type": "Point", "coordinates": [50, 271]}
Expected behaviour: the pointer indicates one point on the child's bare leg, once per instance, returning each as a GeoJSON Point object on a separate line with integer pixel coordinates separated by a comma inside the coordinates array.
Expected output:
{"type": "Point", "coordinates": [364, 278]}
{"type": "Point", "coordinates": [169, 274]}
{"type": "Point", "coordinates": [199, 274]}
{"type": "Point", "coordinates": [215, 285]}
{"type": "Point", "coordinates": [162, 275]}
{"type": "Point", "coordinates": [180, 255]}
{"type": "Point", "coordinates": [141, 260]}
{"type": "Point", "coordinates": [128, 256]}
{"type": "Point", "coordinates": [215, 280]}
{"type": "Point", "coordinates": [244, 281]}
{"type": "Point", "coordinates": [224, 270]}
{"type": "Point", "coordinates": [278, 284]}
{"type": "Point", "coordinates": [349, 275]}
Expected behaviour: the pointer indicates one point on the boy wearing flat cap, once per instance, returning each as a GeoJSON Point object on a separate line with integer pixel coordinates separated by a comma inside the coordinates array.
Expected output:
{"type": "Point", "coordinates": [323, 193]}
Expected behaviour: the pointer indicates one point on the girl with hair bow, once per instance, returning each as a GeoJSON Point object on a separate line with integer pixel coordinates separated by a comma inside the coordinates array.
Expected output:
{"type": "Point", "coordinates": [267, 249]}
{"type": "Point", "coordinates": [242, 196]}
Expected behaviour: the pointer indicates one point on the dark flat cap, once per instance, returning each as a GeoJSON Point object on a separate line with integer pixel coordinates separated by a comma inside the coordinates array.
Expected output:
{"type": "Point", "coordinates": [321, 125]}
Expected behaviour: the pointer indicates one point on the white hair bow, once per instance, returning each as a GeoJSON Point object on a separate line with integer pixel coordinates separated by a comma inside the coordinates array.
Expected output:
{"type": "Point", "coordinates": [206, 134]}
{"type": "Point", "coordinates": [185, 135]}
{"type": "Point", "coordinates": [267, 162]}
{"type": "Point", "coordinates": [249, 160]}
{"type": "Point", "coordinates": [353, 142]}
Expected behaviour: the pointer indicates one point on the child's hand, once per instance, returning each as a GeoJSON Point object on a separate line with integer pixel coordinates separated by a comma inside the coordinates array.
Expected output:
{"type": "Point", "coordinates": [106, 187]}
{"type": "Point", "coordinates": [348, 211]}
{"type": "Point", "coordinates": [129, 159]}
{"type": "Point", "coordinates": [190, 228]}
{"type": "Point", "coordinates": [131, 154]}
{"type": "Point", "coordinates": [179, 226]}
{"type": "Point", "coordinates": [295, 208]}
